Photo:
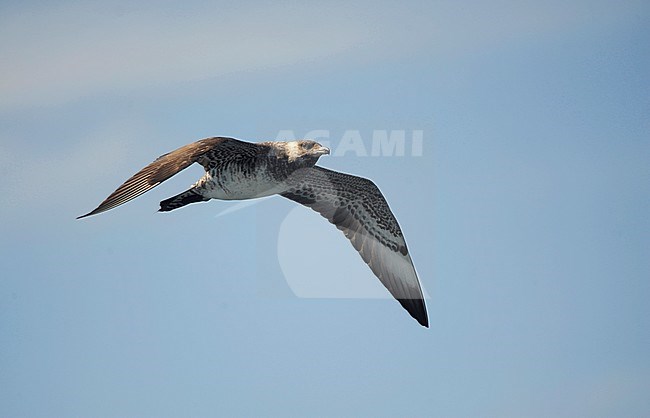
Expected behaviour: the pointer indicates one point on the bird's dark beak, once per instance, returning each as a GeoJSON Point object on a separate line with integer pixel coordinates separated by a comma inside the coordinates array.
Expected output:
{"type": "Point", "coordinates": [322, 150]}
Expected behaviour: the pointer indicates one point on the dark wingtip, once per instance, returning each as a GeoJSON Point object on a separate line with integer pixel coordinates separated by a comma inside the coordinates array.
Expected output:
{"type": "Point", "coordinates": [422, 317]}
{"type": "Point", "coordinates": [92, 212]}
{"type": "Point", "coordinates": [417, 309]}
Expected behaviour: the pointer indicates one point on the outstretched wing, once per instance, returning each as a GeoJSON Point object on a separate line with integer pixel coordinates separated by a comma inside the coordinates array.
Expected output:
{"type": "Point", "coordinates": [357, 207]}
{"type": "Point", "coordinates": [160, 170]}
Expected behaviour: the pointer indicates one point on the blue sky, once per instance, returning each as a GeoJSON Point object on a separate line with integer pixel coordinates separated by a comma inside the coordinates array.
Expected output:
{"type": "Point", "coordinates": [526, 214]}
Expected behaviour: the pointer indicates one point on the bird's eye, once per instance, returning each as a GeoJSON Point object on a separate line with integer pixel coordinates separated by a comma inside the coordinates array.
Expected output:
{"type": "Point", "coordinates": [308, 145]}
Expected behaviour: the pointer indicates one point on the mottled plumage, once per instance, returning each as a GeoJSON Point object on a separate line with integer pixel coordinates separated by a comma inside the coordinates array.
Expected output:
{"type": "Point", "coordinates": [237, 170]}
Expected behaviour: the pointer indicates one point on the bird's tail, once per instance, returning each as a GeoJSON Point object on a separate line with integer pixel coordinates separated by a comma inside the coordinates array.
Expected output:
{"type": "Point", "coordinates": [185, 198]}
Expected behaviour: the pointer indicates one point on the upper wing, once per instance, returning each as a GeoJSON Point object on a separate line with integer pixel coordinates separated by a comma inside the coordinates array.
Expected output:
{"type": "Point", "coordinates": [158, 171]}
{"type": "Point", "coordinates": [357, 207]}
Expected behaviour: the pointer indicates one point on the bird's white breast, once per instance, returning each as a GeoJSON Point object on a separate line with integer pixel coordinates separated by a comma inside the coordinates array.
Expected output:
{"type": "Point", "coordinates": [236, 184]}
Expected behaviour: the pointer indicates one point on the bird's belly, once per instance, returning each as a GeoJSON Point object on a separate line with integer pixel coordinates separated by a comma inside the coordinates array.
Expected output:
{"type": "Point", "coordinates": [240, 187]}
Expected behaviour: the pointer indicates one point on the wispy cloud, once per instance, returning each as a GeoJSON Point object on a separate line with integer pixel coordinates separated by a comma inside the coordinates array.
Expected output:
{"type": "Point", "coordinates": [53, 53]}
{"type": "Point", "coordinates": [240, 205]}
{"type": "Point", "coordinates": [59, 177]}
{"type": "Point", "coordinates": [58, 54]}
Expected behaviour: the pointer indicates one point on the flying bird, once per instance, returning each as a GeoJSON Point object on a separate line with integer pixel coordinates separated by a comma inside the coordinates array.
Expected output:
{"type": "Point", "coordinates": [237, 170]}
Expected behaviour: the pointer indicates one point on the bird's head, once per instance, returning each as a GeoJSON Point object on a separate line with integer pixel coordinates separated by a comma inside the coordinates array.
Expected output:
{"type": "Point", "coordinates": [305, 151]}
